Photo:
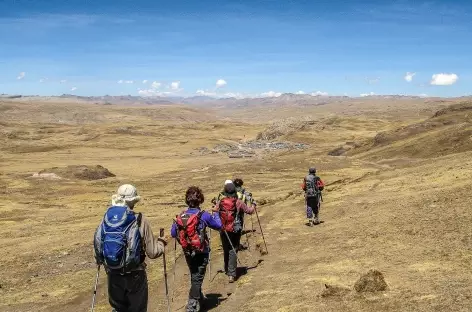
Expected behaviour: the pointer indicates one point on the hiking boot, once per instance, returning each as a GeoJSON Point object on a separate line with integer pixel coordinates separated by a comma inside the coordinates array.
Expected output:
{"type": "Point", "coordinates": [193, 305]}
{"type": "Point", "coordinates": [203, 299]}
{"type": "Point", "coordinates": [316, 221]}
{"type": "Point", "coordinates": [231, 279]}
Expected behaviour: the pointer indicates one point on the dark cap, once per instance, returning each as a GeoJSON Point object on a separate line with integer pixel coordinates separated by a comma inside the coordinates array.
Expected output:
{"type": "Point", "coordinates": [238, 182]}
{"type": "Point", "coordinates": [230, 188]}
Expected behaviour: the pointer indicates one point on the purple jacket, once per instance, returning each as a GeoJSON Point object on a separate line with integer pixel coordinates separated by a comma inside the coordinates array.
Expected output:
{"type": "Point", "coordinates": [212, 221]}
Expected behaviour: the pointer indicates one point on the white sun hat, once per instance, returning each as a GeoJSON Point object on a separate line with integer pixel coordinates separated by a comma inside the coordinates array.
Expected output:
{"type": "Point", "coordinates": [127, 194]}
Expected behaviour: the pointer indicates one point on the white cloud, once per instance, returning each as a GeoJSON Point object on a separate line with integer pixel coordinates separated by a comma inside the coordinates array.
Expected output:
{"type": "Point", "coordinates": [221, 83]}
{"type": "Point", "coordinates": [149, 92]}
{"type": "Point", "coordinates": [46, 21]}
{"type": "Point", "coordinates": [175, 85]}
{"type": "Point", "coordinates": [145, 81]}
{"type": "Point", "coordinates": [300, 92]}
{"type": "Point", "coordinates": [409, 76]}
{"type": "Point", "coordinates": [63, 81]}
{"type": "Point", "coordinates": [126, 81]}
{"type": "Point", "coordinates": [271, 94]}
{"type": "Point", "coordinates": [42, 80]}
{"type": "Point", "coordinates": [373, 80]}
{"type": "Point", "coordinates": [423, 95]}
{"type": "Point", "coordinates": [444, 79]}
{"type": "Point", "coordinates": [73, 88]}
{"type": "Point", "coordinates": [21, 76]}
{"type": "Point", "coordinates": [367, 94]}
{"type": "Point", "coordinates": [205, 93]}
{"type": "Point", "coordinates": [153, 92]}
{"type": "Point", "coordinates": [319, 93]}
{"type": "Point", "coordinates": [234, 95]}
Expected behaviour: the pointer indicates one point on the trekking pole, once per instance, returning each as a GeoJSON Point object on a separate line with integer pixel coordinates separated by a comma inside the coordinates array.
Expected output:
{"type": "Point", "coordinates": [252, 220]}
{"type": "Point", "coordinates": [209, 256]}
{"type": "Point", "coordinates": [95, 288]}
{"type": "Point", "coordinates": [306, 209]}
{"type": "Point", "coordinates": [259, 221]}
{"type": "Point", "coordinates": [165, 271]}
{"type": "Point", "coordinates": [175, 264]}
{"type": "Point", "coordinates": [232, 247]}
{"type": "Point", "coordinates": [247, 238]}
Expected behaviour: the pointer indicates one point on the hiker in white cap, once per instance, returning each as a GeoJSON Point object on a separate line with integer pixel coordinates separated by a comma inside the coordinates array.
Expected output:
{"type": "Point", "coordinates": [125, 267]}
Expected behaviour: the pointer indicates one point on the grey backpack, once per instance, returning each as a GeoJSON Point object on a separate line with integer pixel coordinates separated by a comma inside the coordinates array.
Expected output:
{"type": "Point", "coordinates": [311, 187]}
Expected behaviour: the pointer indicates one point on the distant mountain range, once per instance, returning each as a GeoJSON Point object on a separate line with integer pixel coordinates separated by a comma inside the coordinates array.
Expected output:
{"type": "Point", "coordinates": [286, 99]}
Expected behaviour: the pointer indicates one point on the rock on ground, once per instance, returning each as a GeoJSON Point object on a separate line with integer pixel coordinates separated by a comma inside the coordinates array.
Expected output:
{"type": "Point", "coordinates": [81, 172]}
{"type": "Point", "coordinates": [372, 281]}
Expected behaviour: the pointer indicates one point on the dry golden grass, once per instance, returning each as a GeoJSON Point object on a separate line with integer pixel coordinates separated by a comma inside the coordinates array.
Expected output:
{"type": "Point", "coordinates": [406, 216]}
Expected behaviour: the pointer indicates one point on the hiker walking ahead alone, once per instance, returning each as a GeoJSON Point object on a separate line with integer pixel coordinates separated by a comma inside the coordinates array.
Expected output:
{"type": "Point", "coordinates": [189, 229]}
{"type": "Point", "coordinates": [312, 185]}
{"type": "Point", "coordinates": [121, 243]}
{"type": "Point", "coordinates": [231, 209]}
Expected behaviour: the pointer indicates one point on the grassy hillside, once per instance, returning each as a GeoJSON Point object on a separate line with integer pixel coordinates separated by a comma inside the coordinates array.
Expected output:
{"type": "Point", "coordinates": [400, 205]}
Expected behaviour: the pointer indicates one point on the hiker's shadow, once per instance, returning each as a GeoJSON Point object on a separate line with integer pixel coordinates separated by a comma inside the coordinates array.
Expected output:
{"type": "Point", "coordinates": [310, 225]}
{"type": "Point", "coordinates": [241, 271]}
{"type": "Point", "coordinates": [212, 301]}
{"type": "Point", "coordinates": [244, 232]}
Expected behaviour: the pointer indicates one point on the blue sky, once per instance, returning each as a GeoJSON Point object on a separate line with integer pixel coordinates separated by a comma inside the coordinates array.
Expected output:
{"type": "Point", "coordinates": [253, 47]}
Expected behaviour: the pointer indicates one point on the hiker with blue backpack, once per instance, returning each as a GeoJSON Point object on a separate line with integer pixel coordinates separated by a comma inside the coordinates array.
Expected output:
{"type": "Point", "coordinates": [121, 243]}
{"type": "Point", "coordinates": [189, 229]}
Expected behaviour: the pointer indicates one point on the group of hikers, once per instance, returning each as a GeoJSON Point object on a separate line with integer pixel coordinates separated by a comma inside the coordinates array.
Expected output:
{"type": "Point", "coordinates": [124, 238]}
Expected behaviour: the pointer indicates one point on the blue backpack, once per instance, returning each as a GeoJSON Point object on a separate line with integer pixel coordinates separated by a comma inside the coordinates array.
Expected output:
{"type": "Point", "coordinates": [118, 244]}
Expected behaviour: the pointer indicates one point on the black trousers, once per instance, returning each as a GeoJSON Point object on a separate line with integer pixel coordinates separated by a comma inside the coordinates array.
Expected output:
{"type": "Point", "coordinates": [128, 293]}
{"type": "Point", "coordinates": [312, 207]}
{"type": "Point", "coordinates": [197, 265]}
{"type": "Point", "coordinates": [230, 255]}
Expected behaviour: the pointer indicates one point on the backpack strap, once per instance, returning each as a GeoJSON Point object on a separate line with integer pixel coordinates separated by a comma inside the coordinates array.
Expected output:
{"type": "Point", "coordinates": [199, 216]}
{"type": "Point", "coordinates": [139, 218]}
{"type": "Point", "coordinates": [143, 241]}
{"type": "Point", "coordinates": [236, 205]}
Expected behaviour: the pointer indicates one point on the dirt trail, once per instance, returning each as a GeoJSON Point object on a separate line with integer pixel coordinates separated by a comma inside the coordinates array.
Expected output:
{"type": "Point", "coordinates": [221, 295]}
{"type": "Point", "coordinates": [254, 267]}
